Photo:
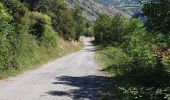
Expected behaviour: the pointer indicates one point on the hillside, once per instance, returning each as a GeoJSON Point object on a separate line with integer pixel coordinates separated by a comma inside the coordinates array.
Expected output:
{"type": "Point", "coordinates": [128, 6]}
{"type": "Point", "coordinates": [91, 9]}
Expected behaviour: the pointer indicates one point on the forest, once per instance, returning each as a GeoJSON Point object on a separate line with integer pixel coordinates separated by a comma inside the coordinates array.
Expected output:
{"type": "Point", "coordinates": [136, 54]}
{"type": "Point", "coordinates": [34, 32]}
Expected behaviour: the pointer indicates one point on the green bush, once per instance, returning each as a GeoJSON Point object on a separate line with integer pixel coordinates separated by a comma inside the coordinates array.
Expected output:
{"type": "Point", "coordinates": [37, 39]}
{"type": "Point", "coordinates": [131, 58]}
{"type": "Point", "coordinates": [27, 35]}
{"type": "Point", "coordinates": [102, 29]}
{"type": "Point", "coordinates": [19, 47]}
{"type": "Point", "coordinates": [49, 37]}
{"type": "Point", "coordinates": [40, 27]}
{"type": "Point", "coordinates": [8, 42]}
{"type": "Point", "coordinates": [138, 46]}
{"type": "Point", "coordinates": [42, 18]}
{"type": "Point", "coordinates": [69, 23]}
{"type": "Point", "coordinates": [15, 8]}
{"type": "Point", "coordinates": [116, 60]}
{"type": "Point", "coordinates": [117, 30]}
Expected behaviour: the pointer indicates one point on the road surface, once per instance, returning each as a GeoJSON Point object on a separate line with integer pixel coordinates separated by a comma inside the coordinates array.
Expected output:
{"type": "Point", "coordinates": [73, 77]}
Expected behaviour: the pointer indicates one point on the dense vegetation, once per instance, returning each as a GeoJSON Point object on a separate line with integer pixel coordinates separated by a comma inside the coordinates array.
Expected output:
{"type": "Point", "coordinates": [31, 32]}
{"type": "Point", "coordinates": [137, 54]}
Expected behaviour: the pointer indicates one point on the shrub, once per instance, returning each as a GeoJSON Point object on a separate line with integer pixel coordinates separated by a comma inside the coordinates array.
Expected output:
{"type": "Point", "coordinates": [110, 30]}
{"type": "Point", "coordinates": [117, 30]}
{"type": "Point", "coordinates": [138, 45]}
{"type": "Point", "coordinates": [40, 27]}
{"type": "Point", "coordinates": [102, 29]}
{"type": "Point", "coordinates": [7, 40]}
{"type": "Point", "coordinates": [19, 44]}
{"type": "Point", "coordinates": [15, 8]}
{"type": "Point", "coordinates": [139, 73]}
{"type": "Point", "coordinates": [116, 60]}
{"type": "Point", "coordinates": [68, 23]}
{"type": "Point", "coordinates": [27, 37]}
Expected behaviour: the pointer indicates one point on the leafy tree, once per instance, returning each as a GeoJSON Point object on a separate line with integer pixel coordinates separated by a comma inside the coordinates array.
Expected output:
{"type": "Point", "coordinates": [117, 31]}
{"type": "Point", "coordinates": [158, 16]}
{"type": "Point", "coordinates": [102, 28]}
{"type": "Point", "coordinates": [29, 31]}
{"type": "Point", "coordinates": [16, 9]}
{"type": "Point", "coordinates": [158, 22]}
{"type": "Point", "coordinates": [7, 40]}
{"type": "Point", "coordinates": [79, 21]}
{"type": "Point", "coordinates": [31, 3]}
{"type": "Point", "coordinates": [138, 71]}
{"type": "Point", "coordinates": [110, 30]}
{"type": "Point", "coordinates": [68, 23]}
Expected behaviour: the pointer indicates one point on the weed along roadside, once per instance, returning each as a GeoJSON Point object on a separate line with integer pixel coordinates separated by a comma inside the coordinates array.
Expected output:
{"type": "Point", "coordinates": [64, 48]}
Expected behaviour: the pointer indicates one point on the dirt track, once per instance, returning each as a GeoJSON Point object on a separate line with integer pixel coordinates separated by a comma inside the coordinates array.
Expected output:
{"type": "Point", "coordinates": [73, 77]}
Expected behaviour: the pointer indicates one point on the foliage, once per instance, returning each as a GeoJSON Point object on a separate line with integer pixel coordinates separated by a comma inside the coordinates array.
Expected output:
{"type": "Point", "coordinates": [40, 27]}
{"type": "Point", "coordinates": [117, 30]}
{"type": "Point", "coordinates": [15, 8]}
{"type": "Point", "coordinates": [69, 24]}
{"type": "Point", "coordinates": [6, 39]}
{"type": "Point", "coordinates": [79, 22]}
{"type": "Point", "coordinates": [139, 73]}
{"type": "Point", "coordinates": [102, 28]}
{"type": "Point", "coordinates": [88, 30]}
{"type": "Point", "coordinates": [109, 30]}
{"type": "Point", "coordinates": [115, 60]}
{"type": "Point", "coordinates": [29, 33]}
{"type": "Point", "coordinates": [157, 13]}
{"type": "Point", "coordinates": [31, 4]}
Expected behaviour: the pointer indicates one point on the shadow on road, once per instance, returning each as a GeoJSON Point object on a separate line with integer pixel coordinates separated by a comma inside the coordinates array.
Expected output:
{"type": "Point", "coordinates": [88, 87]}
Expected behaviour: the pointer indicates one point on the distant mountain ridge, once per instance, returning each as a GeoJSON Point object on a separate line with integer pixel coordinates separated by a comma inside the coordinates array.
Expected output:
{"type": "Point", "coordinates": [91, 8]}
{"type": "Point", "coordinates": [130, 7]}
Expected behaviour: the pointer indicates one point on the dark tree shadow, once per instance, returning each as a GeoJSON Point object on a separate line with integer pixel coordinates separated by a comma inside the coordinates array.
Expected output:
{"type": "Point", "coordinates": [89, 87]}
{"type": "Point", "coordinates": [92, 49]}
{"type": "Point", "coordinates": [89, 50]}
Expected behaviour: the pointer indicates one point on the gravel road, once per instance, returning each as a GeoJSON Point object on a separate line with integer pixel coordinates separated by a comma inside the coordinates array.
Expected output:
{"type": "Point", "coordinates": [73, 77]}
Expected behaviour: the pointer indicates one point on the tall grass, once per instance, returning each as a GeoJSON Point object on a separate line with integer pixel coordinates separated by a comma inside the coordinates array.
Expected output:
{"type": "Point", "coordinates": [37, 56]}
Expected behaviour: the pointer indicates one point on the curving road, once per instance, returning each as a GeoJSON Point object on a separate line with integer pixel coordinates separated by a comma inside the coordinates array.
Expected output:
{"type": "Point", "coordinates": [73, 77]}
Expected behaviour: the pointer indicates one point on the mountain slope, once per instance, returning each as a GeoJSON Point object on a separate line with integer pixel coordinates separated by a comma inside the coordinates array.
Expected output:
{"type": "Point", "coordinates": [91, 9]}
{"type": "Point", "coordinates": [128, 6]}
